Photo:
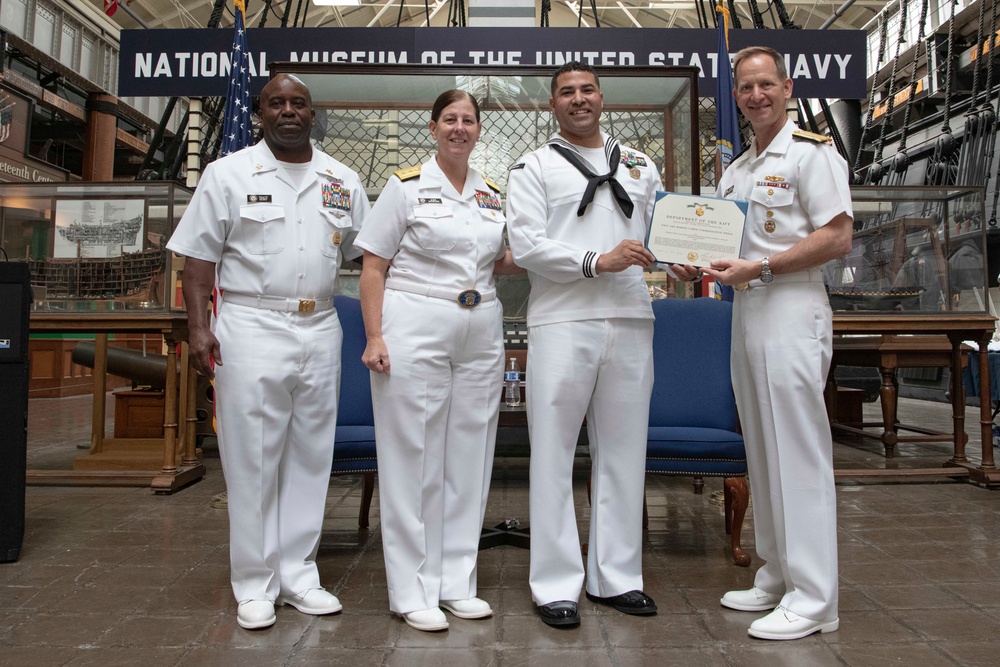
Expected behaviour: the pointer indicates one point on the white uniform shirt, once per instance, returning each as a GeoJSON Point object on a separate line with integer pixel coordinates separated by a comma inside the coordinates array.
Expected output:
{"type": "Point", "coordinates": [560, 249]}
{"type": "Point", "coordinates": [435, 235]}
{"type": "Point", "coordinates": [798, 184]}
{"type": "Point", "coordinates": [268, 235]}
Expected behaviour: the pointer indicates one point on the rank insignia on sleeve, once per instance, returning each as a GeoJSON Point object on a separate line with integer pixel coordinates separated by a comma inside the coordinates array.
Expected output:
{"type": "Point", "coordinates": [336, 196]}
{"type": "Point", "coordinates": [729, 191]}
{"type": "Point", "coordinates": [258, 199]}
{"type": "Point", "coordinates": [519, 165]}
{"type": "Point", "coordinates": [487, 200]}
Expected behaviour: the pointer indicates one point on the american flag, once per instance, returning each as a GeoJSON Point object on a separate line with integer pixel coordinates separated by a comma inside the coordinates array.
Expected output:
{"type": "Point", "coordinates": [237, 125]}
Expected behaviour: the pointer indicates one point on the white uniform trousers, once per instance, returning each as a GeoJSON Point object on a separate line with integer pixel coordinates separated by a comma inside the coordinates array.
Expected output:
{"type": "Point", "coordinates": [602, 369]}
{"type": "Point", "coordinates": [435, 430]}
{"type": "Point", "coordinates": [782, 345]}
{"type": "Point", "coordinates": [276, 412]}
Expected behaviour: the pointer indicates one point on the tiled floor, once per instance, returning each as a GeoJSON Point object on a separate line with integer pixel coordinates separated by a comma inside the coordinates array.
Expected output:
{"type": "Point", "coordinates": [118, 576]}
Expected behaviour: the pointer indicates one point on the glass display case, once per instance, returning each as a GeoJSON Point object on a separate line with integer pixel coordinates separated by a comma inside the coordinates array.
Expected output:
{"type": "Point", "coordinates": [916, 250]}
{"type": "Point", "coordinates": [373, 118]}
{"type": "Point", "coordinates": [95, 247]}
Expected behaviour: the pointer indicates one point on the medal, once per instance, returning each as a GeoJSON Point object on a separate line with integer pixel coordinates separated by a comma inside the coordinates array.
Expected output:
{"type": "Point", "coordinates": [634, 172]}
{"type": "Point", "coordinates": [336, 238]}
{"type": "Point", "coordinates": [769, 226]}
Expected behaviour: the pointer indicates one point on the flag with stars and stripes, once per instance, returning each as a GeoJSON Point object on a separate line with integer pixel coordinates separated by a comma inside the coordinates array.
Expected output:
{"type": "Point", "coordinates": [237, 125]}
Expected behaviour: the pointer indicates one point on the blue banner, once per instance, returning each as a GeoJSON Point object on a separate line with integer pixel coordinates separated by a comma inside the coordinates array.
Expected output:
{"type": "Point", "coordinates": [196, 61]}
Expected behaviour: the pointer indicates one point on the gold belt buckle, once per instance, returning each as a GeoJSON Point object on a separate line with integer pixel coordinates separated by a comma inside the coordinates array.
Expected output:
{"type": "Point", "coordinates": [307, 305]}
{"type": "Point", "coordinates": [741, 287]}
{"type": "Point", "coordinates": [470, 298]}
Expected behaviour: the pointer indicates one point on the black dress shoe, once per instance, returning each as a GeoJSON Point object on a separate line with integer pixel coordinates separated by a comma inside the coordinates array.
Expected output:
{"type": "Point", "coordinates": [561, 613]}
{"type": "Point", "coordinates": [636, 603]}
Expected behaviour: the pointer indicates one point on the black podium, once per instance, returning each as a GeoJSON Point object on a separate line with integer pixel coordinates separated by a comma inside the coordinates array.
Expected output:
{"type": "Point", "coordinates": [15, 297]}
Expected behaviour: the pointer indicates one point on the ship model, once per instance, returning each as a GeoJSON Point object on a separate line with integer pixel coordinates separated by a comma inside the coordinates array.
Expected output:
{"type": "Point", "coordinates": [123, 232]}
{"type": "Point", "coordinates": [133, 276]}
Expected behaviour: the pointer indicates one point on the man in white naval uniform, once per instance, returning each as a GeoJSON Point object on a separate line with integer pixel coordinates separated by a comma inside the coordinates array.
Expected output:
{"type": "Point", "coordinates": [275, 220]}
{"type": "Point", "coordinates": [590, 331]}
{"type": "Point", "coordinates": [799, 218]}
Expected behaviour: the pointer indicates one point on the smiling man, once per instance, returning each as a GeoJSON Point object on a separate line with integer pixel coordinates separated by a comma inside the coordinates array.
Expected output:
{"type": "Point", "coordinates": [799, 217]}
{"type": "Point", "coordinates": [273, 222]}
{"type": "Point", "coordinates": [578, 210]}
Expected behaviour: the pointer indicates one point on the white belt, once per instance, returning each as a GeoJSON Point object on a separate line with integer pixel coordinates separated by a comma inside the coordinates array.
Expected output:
{"type": "Point", "coordinates": [280, 303]}
{"type": "Point", "coordinates": [469, 298]}
{"type": "Point", "coordinates": [810, 276]}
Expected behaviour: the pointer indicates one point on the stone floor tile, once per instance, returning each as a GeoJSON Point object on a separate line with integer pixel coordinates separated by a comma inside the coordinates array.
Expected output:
{"type": "Point", "coordinates": [870, 655]}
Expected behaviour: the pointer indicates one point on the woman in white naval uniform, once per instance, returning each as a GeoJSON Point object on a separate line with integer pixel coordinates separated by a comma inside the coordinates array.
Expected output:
{"type": "Point", "coordinates": [435, 350]}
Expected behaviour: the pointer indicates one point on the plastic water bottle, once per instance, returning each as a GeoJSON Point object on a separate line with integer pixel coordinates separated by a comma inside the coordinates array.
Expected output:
{"type": "Point", "coordinates": [512, 383]}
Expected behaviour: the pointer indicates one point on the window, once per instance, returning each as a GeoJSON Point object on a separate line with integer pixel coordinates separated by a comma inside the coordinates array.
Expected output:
{"type": "Point", "coordinates": [45, 28]}
{"type": "Point", "coordinates": [13, 16]}
{"type": "Point", "coordinates": [67, 45]}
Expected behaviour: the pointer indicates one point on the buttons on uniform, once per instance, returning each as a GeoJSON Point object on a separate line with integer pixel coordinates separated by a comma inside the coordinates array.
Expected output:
{"type": "Point", "coordinates": [769, 226]}
{"type": "Point", "coordinates": [302, 247]}
{"type": "Point", "coordinates": [770, 191]}
{"type": "Point", "coordinates": [300, 221]}
{"type": "Point", "coordinates": [770, 214]}
{"type": "Point", "coordinates": [470, 244]}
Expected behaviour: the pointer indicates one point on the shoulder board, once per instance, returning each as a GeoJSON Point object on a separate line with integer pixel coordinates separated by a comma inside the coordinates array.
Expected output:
{"type": "Point", "coordinates": [493, 186]}
{"type": "Point", "coordinates": [812, 136]}
{"type": "Point", "coordinates": [408, 173]}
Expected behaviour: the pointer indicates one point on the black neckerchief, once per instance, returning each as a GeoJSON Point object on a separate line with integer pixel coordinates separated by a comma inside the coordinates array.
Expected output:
{"type": "Point", "coordinates": [613, 152]}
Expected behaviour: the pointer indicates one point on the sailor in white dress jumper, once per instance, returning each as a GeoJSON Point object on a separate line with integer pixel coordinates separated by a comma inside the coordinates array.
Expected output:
{"type": "Point", "coordinates": [590, 328]}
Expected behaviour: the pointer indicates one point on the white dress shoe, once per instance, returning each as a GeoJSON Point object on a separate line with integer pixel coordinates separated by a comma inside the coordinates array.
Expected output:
{"type": "Point", "coordinates": [783, 624]}
{"type": "Point", "coordinates": [753, 599]}
{"type": "Point", "coordinates": [471, 608]}
{"type": "Point", "coordinates": [255, 614]}
{"type": "Point", "coordinates": [315, 601]}
{"type": "Point", "coordinates": [428, 620]}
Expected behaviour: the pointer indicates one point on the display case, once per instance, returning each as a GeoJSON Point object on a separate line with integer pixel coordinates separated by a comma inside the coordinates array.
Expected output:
{"type": "Point", "coordinates": [373, 118]}
{"type": "Point", "coordinates": [915, 250]}
{"type": "Point", "coordinates": [95, 247]}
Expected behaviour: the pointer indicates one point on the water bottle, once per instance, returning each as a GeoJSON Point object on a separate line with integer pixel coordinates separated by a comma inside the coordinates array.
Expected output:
{"type": "Point", "coordinates": [512, 383]}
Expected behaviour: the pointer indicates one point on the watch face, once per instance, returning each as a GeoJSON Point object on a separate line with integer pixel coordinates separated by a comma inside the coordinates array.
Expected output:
{"type": "Point", "coordinates": [766, 277]}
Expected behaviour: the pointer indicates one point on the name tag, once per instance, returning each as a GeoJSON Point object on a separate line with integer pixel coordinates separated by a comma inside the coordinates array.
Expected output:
{"type": "Point", "coordinates": [258, 199]}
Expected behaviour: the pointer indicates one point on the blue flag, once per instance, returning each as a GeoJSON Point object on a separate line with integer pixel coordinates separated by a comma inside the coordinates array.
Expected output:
{"type": "Point", "coordinates": [237, 125]}
{"type": "Point", "coordinates": [727, 125]}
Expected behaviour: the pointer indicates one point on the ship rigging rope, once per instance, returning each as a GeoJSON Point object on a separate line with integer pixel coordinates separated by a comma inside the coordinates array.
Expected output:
{"type": "Point", "coordinates": [875, 173]}
{"type": "Point", "coordinates": [755, 15]}
{"type": "Point", "coordinates": [883, 38]}
{"type": "Point", "coordinates": [901, 161]}
{"type": "Point", "coordinates": [732, 15]}
{"type": "Point", "coordinates": [979, 121]}
{"type": "Point", "coordinates": [989, 109]}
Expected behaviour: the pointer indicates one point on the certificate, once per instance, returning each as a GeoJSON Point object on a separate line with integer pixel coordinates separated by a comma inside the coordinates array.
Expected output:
{"type": "Point", "coordinates": [695, 229]}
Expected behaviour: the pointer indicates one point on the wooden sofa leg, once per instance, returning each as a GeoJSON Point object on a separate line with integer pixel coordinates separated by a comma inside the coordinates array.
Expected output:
{"type": "Point", "coordinates": [367, 489]}
{"type": "Point", "coordinates": [737, 495]}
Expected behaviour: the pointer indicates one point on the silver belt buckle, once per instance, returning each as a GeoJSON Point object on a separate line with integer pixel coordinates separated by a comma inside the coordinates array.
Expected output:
{"type": "Point", "coordinates": [307, 305]}
{"type": "Point", "coordinates": [470, 298]}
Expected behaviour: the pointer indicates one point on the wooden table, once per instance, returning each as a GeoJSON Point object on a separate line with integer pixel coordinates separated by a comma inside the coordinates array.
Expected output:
{"type": "Point", "coordinates": [891, 341]}
{"type": "Point", "coordinates": [110, 461]}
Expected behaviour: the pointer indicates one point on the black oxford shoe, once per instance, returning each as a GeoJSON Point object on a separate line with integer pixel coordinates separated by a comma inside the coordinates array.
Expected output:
{"type": "Point", "coordinates": [636, 603]}
{"type": "Point", "coordinates": [561, 613]}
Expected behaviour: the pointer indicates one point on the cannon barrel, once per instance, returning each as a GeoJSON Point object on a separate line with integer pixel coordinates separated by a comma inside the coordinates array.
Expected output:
{"type": "Point", "coordinates": [147, 369]}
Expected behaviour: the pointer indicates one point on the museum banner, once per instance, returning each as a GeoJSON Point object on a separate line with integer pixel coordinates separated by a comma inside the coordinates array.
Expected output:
{"type": "Point", "coordinates": [196, 61]}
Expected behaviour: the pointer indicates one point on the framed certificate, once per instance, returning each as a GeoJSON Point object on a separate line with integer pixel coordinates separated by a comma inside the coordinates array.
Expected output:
{"type": "Point", "coordinates": [695, 229]}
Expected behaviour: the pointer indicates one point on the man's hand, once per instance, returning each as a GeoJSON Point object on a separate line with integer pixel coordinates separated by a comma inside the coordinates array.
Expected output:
{"type": "Point", "coordinates": [686, 272]}
{"type": "Point", "coordinates": [733, 271]}
{"type": "Point", "coordinates": [376, 356]}
{"type": "Point", "coordinates": [203, 349]}
{"type": "Point", "coordinates": [628, 253]}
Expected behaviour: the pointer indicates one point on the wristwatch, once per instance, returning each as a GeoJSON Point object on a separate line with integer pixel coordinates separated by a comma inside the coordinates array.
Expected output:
{"type": "Point", "coordinates": [766, 276]}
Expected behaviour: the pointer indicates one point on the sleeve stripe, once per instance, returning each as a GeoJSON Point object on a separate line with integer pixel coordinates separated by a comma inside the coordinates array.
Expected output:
{"type": "Point", "coordinates": [588, 261]}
